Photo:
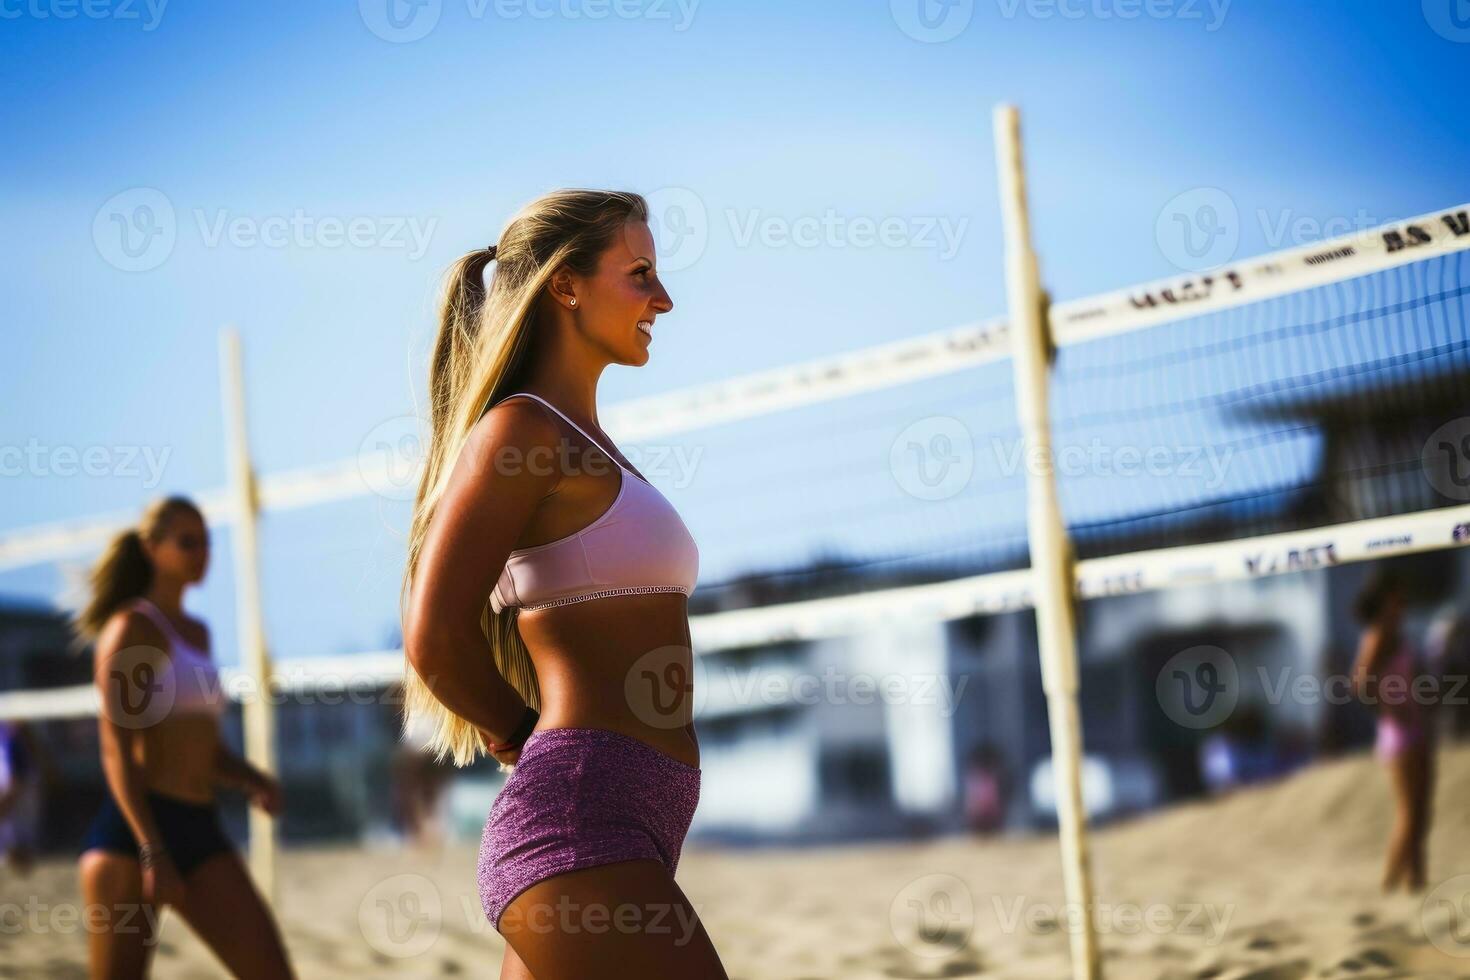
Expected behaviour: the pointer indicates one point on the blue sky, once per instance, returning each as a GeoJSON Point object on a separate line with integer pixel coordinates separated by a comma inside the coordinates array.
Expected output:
{"type": "Point", "coordinates": [253, 119]}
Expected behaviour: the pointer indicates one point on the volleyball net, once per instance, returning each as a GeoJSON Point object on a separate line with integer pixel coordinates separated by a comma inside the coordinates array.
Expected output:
{"type": "Point", "coordinates": [1291, 411]}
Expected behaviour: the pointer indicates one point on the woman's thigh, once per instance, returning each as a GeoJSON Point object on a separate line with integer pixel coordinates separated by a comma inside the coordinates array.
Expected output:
{"type": "Point", "coordinates": [224, 909]}
{"type": "Point", "coordinates": [512, 967]}
{"type": "Point", "coordinates": [122, 929]}
{"type": "Point", "coordinates": [627, 919]}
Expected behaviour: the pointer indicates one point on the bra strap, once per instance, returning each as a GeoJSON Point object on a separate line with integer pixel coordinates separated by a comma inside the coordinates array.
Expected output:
{"type": "Point", "coordinates": [143, 605]}
{"type": "Point", "coordinates": [574, 425]}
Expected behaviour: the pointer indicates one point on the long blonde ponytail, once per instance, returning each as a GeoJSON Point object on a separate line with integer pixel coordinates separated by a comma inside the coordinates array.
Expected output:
{"type": "Point", "coordinates": [484, 344]}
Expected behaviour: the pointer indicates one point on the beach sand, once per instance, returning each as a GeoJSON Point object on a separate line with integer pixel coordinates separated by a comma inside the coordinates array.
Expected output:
{"type": "Point", "coordinates": [1273, 883]}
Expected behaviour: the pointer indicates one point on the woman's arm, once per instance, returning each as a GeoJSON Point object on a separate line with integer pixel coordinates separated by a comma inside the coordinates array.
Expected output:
{"type": "Point", "coordinates": [1371, 647]}
{"type": "Point", "coordinates": [129, 665]}
{"type": "Point", "coordinates": [128, 662]}
{"type": "Point", "coordinates": [507, 467]}
{"type": "Point", "coordinates": [234, 772]}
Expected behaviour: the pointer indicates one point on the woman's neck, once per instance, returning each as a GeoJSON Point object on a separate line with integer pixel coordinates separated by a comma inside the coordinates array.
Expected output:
{"type": "Point", "coordinates": [167, 596]}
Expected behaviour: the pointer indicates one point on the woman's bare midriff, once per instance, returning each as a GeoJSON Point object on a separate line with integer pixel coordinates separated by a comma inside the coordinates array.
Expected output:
{"type": "Point", "coordinates": [178, 757]}
{"type": "Point", "coordinates": [622, 662]}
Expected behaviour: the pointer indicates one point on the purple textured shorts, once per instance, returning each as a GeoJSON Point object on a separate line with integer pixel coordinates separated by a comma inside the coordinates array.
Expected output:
{"type": "Point", "coordinates": [581, 797]}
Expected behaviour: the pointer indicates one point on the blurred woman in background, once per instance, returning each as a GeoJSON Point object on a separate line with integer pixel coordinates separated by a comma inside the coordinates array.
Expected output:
{"type": "Point", "coordinates": [157, 840]}
{"type": "Point", "coordinates": [547, 621]}
{"type": "Point", "coordinates": [1386, 675]}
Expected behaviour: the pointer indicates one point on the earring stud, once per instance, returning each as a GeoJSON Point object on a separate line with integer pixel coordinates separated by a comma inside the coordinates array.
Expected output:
{"type": "Point", "coordinates": [574, 301]}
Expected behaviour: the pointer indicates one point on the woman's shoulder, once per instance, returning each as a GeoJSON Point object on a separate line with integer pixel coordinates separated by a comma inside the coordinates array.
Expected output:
{"type": "Point", "coordinates": [514, 426]}
{"type": "Point", "coordinates": [128, 626]}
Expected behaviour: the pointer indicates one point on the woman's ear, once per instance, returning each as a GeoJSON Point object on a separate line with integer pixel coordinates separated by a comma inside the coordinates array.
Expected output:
{"type": "Point", "coordinates": [562, 286]}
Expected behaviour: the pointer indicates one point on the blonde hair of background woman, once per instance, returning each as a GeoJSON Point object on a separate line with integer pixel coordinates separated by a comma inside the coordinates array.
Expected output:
{"type": "Point", "coordinates": [123, 571]}
{"type": "Point", "coordinates": [484, 340]}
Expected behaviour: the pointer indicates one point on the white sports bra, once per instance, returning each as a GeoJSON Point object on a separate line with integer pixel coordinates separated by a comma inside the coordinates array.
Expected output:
{"type": "Point", "coordinates": [191, 676]}
{"type": "Point", "coordinates": [638, 545]}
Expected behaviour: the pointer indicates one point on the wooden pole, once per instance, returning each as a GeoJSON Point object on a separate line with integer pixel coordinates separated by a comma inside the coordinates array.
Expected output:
{"type": "Point", "coordinates": [1053, 581]}
{"type": "Point", "coordinates": [259, 711]}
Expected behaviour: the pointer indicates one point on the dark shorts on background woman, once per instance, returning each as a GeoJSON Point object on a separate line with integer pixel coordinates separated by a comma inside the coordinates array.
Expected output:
{"type": "Point", "coordinates": [192, 833]}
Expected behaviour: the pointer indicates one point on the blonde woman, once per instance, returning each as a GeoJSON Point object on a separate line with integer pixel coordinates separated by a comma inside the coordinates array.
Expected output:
{"type": "Point", "coordinates": [546, 620]}
{"type": "Point", "coordinates": [157, 840]}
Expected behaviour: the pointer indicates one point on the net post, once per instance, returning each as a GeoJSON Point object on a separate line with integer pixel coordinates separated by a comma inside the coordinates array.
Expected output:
{"type": "Point", "coordinates": [258, 708]}
{"type": "Point", "coordinates": [1052, 573]}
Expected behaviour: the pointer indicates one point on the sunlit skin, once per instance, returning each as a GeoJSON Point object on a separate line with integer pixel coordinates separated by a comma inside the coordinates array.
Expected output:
{"type": "Point", "coordinates": [584, 652]}
{"type": "Point", "coordinates": [179, 755]}
{"type": "Point", "coordinates": [1411, 771]}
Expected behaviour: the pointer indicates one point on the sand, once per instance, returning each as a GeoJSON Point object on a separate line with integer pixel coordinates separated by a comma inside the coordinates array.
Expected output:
{"type": "Point", "coordinates": [1274, 883]}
